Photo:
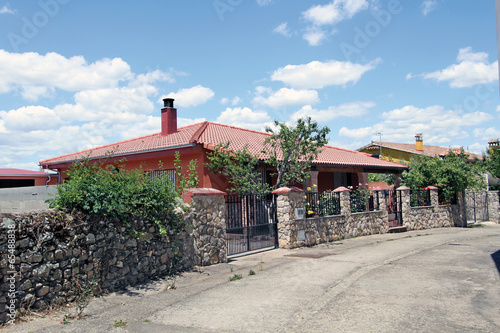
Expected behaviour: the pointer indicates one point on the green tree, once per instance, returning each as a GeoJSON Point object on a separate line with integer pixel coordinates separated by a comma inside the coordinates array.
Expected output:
{"type": "Point", "coordinates": [291, 149]}
{"type": "Point", "coordinates": [451, 174]}
{"type": "Point", "coordinates": [239, 168]}
{"type": "Point", "coordinates": [183, 181]}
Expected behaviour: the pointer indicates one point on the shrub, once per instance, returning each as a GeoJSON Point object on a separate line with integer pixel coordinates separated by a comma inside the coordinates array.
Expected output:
{"type": "Point", "coordinates": [111, 191]}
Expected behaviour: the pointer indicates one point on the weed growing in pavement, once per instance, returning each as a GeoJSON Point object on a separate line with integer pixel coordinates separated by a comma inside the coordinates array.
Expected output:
{"type": "Point", "coordinates": [251, 272]}
{"type": "Point", "coordinates": [119, 323]}
{"type": "Point", "coordinates": [236, 277]}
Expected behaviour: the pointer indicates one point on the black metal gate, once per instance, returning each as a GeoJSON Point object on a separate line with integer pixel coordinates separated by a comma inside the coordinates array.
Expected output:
{"type": "Point", "coordinates": [251, 222]}
{"type": "Point", "coordinates": [394, 208]}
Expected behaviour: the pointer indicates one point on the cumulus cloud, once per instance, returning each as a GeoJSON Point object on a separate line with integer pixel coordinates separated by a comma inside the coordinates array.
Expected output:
{"type": "Point", "coordinates": [485, 134]}
{"type": "Point", "coordinates": [330, 14]}
{"type": "Point", "coordinates": [314, 36]}
{"type": "Point", "coordinates": [317, 74]}
{"type": "Point", "coordinates": [36, 75]}
{"type": "Point", "coordinates": [428, 6]}
{"type": "Point", "coordinates": [334, 12]}
{"type": "Point", "coordinates": [245, 117]}
{"type": "Point", "coordinates": [189, 97]}
{"type": "Point", "coordinates": [346, 110]}
{"type": "Point", "coordinates": [29, 118]}
{"type": "Point", "coordinates": [282, 29]}
{"type": "Point", "coordinates": [472, 69]}
{"type": "Point", "coordinates": [439, 125]}
{"type": "Point", "coordinates": [284, 97]}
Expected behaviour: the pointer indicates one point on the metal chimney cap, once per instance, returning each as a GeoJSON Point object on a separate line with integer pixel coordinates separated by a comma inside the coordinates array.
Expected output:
{"type": "Point", "coordinates": [168, 102]}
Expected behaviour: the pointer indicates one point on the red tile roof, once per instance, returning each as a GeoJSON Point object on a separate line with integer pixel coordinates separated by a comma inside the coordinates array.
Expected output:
{"type": "Point", "coordinates": [429, 150]}
{"type": "Point", "coordinates": [20, 172]}
{"type": "Point", "coordinates": [211, 134]}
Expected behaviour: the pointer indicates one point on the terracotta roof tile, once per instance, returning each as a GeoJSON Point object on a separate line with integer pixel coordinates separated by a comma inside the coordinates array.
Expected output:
{"type": "Point", "coordinates": [211, 134]}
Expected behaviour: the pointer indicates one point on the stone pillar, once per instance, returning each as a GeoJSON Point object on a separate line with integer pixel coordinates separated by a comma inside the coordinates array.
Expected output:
{"type": "Point", "coordinates": [494, 206]}
{"type": "Point", "coordinates": [461, 220]}
{"type": "Point", "coordinates": [434, 196]}
{"type": "Point", "coordinates": [404, 203]}
{"type": "Point", "coordinates": [291, 230]}
{"type": "Point", "coordinates": [207, 221]}
{"type": "Point", "coordinates": [345, 201]}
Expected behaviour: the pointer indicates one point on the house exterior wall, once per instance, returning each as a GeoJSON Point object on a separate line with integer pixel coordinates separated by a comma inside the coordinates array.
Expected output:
{"type": "Point", "coordinates": [396, 155]}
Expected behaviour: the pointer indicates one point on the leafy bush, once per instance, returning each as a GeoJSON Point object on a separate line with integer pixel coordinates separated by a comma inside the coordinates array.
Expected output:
{"type": "Point", "coordinates": [111, 191]}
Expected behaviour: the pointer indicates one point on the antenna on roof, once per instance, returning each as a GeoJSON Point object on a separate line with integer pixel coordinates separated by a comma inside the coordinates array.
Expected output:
{"type": "Point", "coordinates": [379, 143]}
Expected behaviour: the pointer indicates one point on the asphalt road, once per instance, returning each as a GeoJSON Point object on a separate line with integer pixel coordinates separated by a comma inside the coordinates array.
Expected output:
{"type": "Point", "coordinates": [438, 280]}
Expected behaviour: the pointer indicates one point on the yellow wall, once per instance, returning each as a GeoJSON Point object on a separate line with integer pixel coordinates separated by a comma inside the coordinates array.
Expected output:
{"type": "Point", "coordinates": [396, 155]}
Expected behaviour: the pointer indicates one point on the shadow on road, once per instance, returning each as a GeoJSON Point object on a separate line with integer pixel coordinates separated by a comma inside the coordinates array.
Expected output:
{"type": "Point", "coordinates": [496, 258]}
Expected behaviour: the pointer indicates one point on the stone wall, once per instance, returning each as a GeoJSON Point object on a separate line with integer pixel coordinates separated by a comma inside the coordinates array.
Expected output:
{"type": "Point", "coordinates": [294, 232]}
{"type": "Point", "coordinates": [434, 216]}
{"type": "Point", "coordinates": [54, 254]}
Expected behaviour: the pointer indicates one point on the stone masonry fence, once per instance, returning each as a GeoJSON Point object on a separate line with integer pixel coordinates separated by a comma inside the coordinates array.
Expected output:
{"type": "Point", "coordinates": [47, 257]}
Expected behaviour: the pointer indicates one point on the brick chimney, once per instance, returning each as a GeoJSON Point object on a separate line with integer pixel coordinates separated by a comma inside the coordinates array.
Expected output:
{"type": "Point", "coordinates": [419, 145]}
{"type": "Point", "coordinates": [168, 117]}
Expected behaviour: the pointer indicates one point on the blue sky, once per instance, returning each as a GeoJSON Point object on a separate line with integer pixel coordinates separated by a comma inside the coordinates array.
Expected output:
{"type": "Point", "coordinates": [77, 74]}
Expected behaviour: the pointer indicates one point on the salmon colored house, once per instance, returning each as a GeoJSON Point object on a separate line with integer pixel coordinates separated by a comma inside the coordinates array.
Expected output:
{"type": "Point", "coordinates": [332, 168]}
{"type": "Point", "coordinates": [22, 178]}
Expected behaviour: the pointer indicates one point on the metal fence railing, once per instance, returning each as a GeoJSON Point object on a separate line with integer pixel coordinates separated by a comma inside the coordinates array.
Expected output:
{"type": "Point", "coordinates": [363, 200]}
{"type": "Point", "coordinates": [420, 198]}
{"type": "Point", "coordinates": [322, 204]}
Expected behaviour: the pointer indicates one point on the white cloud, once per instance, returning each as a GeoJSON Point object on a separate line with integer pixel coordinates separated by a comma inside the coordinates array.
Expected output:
{"type": "Point", "coordinates": [485, 134]}
{"type": "Point", "coordinates": [316, 74]}
{"type": "Point", "coordinates": [347, 110]}
{"type": "Point", "coordinates": [245, 117]}
{"type": "Point", "coordinates": [6, 10]}
{"type": "Point", "coordinates": [30, 118]}
{"type": "Point", "coordinates": [284, 97]}
{"type": "Point", "coordinates": [235, 101]}
{"type": "Point", "coordinates": [428, 6]}
{"type": "Point", "coordinates": [189, 97]}
{"type": "Point", "coordinates": [314, 36]}
{"type": "Point", "coordinates": [439, 125]}
{"type": "Point", "coordinates": [38, 75]}
{"type": "Point", "coordinates": [334, 12]}
{"type": "Point", "coordinates": [282, 29]}
{"type": "Point", "coordinates": [472, 69]}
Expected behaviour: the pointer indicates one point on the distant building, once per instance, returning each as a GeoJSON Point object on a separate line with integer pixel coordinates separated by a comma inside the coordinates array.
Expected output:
{"type": "Point", "coordinates": [399, 152]}
{"type": "Point", "coordinates": [24, 178]}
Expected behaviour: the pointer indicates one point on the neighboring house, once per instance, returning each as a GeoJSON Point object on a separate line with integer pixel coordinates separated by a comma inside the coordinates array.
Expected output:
{"type": "Point", "coordinates": [400, 152]}
{"type": "Point", "coordinates": [332, 168]}
{"type": "Point", "coordinates": [23, 178]}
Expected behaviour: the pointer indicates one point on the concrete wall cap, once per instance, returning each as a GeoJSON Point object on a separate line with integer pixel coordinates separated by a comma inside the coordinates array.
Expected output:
{"type": "Point", "coordinates": [204, 191]}
{"type": "Point", "coordinates": [341, 189]}
{"type": "Point", "coordinates": [403, 188]}
{"type": "Point", "coordinates": [291, 189]}
{"type": "Point", "coordinates": [432, 187]}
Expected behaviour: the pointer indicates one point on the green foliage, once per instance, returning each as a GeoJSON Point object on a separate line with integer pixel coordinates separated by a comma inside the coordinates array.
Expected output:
{"type": "Point", "coordinates": [292, 149]}
{"type": "Point", "coordinates": [111, 191]}
{"type": "Point", "coordinates": [451, 174]}
{"type": "Point", "coordinates": [185, 181]}
{"type": "Point", "coordinates": [359, 200]}
{"type": "Point", "coordinates": [239, 168]}
{"type": "Point", "coordinates": [235, 277]}
{"type": "Point", "coordinates": [388, 178]}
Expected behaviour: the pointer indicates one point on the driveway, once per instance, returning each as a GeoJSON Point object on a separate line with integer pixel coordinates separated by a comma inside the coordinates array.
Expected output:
{"type": "Point", "coordinates": [438, 280]}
